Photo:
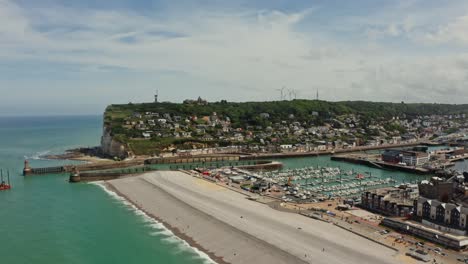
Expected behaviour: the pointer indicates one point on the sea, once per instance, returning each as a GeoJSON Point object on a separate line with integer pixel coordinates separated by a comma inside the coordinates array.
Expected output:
{"type": "Point", "coordinates": [44, 219]}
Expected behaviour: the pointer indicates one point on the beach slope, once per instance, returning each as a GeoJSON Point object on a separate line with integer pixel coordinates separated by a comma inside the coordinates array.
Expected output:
{"type": "Point", "coordinates": [233, 229]}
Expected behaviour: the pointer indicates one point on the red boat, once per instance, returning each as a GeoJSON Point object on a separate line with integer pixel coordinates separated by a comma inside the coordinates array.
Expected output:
{"type": "Point", "coordinates": [3, 185]}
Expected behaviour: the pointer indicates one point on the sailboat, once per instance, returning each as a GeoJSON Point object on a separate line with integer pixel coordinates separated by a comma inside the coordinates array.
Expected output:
{"type": "Point", "coordinates": [4, 185]}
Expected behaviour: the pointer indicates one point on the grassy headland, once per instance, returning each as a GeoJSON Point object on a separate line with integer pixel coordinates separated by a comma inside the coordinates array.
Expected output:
{"type": "Point", "coordinates": [150, 128]}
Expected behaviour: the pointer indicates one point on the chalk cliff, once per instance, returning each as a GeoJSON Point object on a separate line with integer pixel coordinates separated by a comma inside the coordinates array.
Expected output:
{"type": "Point", "coordinates": [112, 147]}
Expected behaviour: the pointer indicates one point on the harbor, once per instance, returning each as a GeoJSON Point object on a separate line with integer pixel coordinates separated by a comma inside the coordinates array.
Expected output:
{"type": "Point", "coordinates": [328, 181]}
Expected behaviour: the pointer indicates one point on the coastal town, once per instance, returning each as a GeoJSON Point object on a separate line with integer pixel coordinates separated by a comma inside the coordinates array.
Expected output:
{"type": "Point", "coordinates": [152, 133]}
{"type": "Point", "coordinates": [391, 181]}
{"type": "Point", "coordinates": [234, 132]}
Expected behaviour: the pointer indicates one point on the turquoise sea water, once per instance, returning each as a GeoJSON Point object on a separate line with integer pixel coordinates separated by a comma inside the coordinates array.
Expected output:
{"type": "Point", "coordinates": [44, 219]}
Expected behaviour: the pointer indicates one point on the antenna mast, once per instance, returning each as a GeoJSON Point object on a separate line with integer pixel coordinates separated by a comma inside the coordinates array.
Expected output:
{"type": "Point", "coordinates": [156, 96]}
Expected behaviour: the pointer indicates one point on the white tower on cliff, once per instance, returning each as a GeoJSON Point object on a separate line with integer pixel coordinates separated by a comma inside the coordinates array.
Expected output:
{"type": "Point", "coordinates": [156, 96]}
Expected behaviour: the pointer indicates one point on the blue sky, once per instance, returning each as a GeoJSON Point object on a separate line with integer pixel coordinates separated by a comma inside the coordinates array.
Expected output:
{"type": "Point", "coordinates": [76, 57]}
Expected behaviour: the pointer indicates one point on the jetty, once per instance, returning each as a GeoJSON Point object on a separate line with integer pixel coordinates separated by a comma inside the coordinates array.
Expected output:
{"type": "Point", "coordinates": [109, 170]}
{"type": "Point", "coordinates": [364, 160]}
{"type": "Point", "coordinates": [108, 165]}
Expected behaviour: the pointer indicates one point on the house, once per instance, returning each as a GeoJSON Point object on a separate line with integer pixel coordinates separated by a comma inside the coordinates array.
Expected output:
{"type": "Point", "coordinates": [207, 137]}
{"type": "Point", "coordinates": [414, 158]}
{"type": "Point", "coordinates": [391, 156]}
{"type": "Point", "coordinates": [447, 217]}
{"type": "Point", "coordinates": [238, 137]}
{"type": "Point", "coordinates": [286, 147]}
{"type": "Point", "coordinates": [392, 201]}
{"type": "Point", "coordinates": [186, 134]}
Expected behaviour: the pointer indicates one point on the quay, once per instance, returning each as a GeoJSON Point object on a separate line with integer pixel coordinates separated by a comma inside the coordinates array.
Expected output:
{"type": "Point", "coordinates": [380, 164]}
{"type": "Point", "coordinates": [114, 170]}
{"type": "Point", "coordinates": [109, 165]}
{"type": "Point", "coordinates": [240, 164]}
{"type": "Point", "coordinates": [28, 170]}
{"type": "Point", "coordinates": [200, 159]}
{"type": "Point", "coordinates": [194, 159]}
{"type": "Point", "coordinates": [327, 152]}
{"type": "Point", "coordinates": [77, 176]}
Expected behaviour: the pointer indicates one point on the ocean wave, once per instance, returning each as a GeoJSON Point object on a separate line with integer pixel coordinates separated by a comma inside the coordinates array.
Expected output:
{"type": "Point", "coordinates": [159, 228]}
{"type": "Point", "coordinates": [38, 155]}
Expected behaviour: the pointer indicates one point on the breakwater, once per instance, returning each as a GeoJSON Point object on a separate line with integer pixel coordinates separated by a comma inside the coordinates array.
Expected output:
{"type": "Point", "coordinates": [325, 152]}
{"type": "Point", "coordinates": [380, 164]}
{"type": "Point", "coordinates": [262, 165]}
{"type": "Point", "coordinates": [76, 176]}
{"type": "Point", "coordinates": [28, 170]}
{"type": "Point", "coordinates": [196, 159]}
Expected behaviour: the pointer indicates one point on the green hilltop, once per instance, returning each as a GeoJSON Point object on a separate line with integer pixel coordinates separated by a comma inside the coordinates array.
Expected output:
{"type": "Point", "coordinates": [184, 125]}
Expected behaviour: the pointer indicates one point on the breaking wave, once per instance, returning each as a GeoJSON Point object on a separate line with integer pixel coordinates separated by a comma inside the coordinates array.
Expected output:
{"type": "Point", "coordinates": [159, 228]}
{"type": "Point", "coordinates": [38, 155]}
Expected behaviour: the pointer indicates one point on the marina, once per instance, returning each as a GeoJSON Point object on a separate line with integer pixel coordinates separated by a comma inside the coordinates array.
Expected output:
{"type": "Point", "coordinates": [329, 181]}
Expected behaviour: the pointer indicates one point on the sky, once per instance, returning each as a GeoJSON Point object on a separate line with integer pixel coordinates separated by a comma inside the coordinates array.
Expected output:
{"type": "Point", "coordinates": [77, 57]}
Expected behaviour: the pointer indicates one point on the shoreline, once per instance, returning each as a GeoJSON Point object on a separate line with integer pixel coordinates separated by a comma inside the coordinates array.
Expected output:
{"type": "Point", "coordinates": [79, 155]}
{"type": "Point", "coordinates": [221, 223]}
{"type": "Point", "coordinates": [189, 240]}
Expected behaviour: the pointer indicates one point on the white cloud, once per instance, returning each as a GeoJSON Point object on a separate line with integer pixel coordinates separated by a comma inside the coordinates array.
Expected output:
{"type": "Point", "coordinates": [454, 32]}
{"type": "Point", "coordinates": [238, 55]}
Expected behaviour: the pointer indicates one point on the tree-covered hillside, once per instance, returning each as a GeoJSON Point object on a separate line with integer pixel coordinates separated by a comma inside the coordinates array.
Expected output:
{"type": "Point", "coordinates": [221, 123]}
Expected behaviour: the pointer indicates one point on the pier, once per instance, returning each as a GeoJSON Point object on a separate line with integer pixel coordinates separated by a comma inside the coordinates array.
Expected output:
{"type": "Point", "coordinates": [44, 170]}
{"type": "Point", "coordinates": [380, 164]}
{"type": "Point", "coordinates": [28, 170]}
{"type": "Point", "coordinates": [327, 152]}
{"type": "Point", "coordinates": [77, 176]}
{"type": "Point", "coordinates": [246, 165]}
{"type": "Point", "coordinates": [206, 159]}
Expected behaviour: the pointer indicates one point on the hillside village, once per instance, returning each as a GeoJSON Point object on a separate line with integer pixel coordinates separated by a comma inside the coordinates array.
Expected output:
{"type": "Point", "coordinates": [263, 132]}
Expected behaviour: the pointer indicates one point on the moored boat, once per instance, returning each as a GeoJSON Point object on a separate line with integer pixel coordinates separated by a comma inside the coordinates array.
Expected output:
{"type": "Point", "coordinates": [4, 185]}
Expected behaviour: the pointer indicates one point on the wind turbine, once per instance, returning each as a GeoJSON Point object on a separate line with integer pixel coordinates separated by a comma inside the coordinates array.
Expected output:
{"type": "Point", "coordinates": [292, 94]}
{"type": "Point", "coordinates": [281, 92]}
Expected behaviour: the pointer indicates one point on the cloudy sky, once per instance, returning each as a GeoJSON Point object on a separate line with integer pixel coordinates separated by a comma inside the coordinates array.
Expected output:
{"type": "Point", "coordinates": [75, 57]}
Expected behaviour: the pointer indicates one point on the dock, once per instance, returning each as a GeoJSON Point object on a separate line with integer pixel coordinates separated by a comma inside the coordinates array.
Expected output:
{"type": "Point", "coordinates": [359, 159]}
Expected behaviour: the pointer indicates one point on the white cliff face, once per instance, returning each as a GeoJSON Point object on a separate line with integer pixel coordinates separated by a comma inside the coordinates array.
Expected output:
{"type": "Point", "coordinates": [111, 147]}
